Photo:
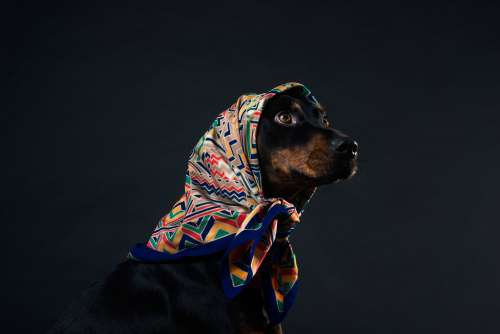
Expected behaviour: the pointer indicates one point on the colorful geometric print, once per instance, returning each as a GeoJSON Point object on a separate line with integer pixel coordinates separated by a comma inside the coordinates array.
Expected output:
{"type": "Point", "coordinates": [223, 208]}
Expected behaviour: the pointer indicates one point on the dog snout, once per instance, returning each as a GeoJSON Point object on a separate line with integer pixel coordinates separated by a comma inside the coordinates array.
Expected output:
{"type": "Point", "coordinates": [345, 146]}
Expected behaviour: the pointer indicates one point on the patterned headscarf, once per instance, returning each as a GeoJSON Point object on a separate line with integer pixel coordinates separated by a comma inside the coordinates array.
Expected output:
{"type": "Point", "coordinates": [223, 208]}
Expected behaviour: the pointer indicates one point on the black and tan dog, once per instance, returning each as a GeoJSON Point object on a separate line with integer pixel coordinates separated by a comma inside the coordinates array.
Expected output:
{"type": "Point", "coordinates": [298, 151]}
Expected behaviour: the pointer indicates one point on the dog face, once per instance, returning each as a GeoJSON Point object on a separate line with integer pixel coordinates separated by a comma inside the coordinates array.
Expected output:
{"type": "Point", "coordinates": [298, 147]}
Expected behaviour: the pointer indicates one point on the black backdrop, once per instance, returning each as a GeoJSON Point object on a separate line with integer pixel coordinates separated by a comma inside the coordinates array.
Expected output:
{"type": "Point", "coordinates": [104, 103]}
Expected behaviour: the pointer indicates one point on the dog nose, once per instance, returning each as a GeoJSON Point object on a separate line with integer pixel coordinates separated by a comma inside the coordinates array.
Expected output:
{"type": "Point", "coordinates": [346, 146]}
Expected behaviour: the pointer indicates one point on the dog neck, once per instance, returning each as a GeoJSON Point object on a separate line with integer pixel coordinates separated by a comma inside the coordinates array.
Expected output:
{"type": "Point", "coordinates": [297, 196]}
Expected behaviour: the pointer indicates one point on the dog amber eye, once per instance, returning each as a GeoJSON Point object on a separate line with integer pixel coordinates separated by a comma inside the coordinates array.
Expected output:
{"type": "Point", "coordinates": [284, 118]}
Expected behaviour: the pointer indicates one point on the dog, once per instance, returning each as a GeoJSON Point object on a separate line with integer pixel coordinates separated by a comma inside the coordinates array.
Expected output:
{"type": "Point", "coordinates": [298, 150]}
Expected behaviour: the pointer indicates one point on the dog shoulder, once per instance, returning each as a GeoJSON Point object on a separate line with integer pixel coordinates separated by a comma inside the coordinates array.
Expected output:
{"type": "Point", "coordinates": [149, 298]}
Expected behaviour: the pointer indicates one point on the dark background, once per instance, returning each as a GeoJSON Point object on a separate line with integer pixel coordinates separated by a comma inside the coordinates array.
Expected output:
{"type": "Point", "coordinates": [104, 102]}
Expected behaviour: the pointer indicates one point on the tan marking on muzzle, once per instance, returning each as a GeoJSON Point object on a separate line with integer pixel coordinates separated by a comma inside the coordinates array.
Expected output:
{"type": "Point", "coordinates": [311, 159]}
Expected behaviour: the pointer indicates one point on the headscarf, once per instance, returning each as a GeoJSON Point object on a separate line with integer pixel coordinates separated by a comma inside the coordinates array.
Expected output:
{"type": "Point", "coordinates": [223, 208]}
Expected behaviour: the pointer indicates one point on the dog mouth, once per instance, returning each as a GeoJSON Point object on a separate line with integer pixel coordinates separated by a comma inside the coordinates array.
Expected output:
{"type": "Point", "coordinates": [340, 171]}
{"type": "Point", "coordinates": [345, 170]}
{"type": "Point", "coordinates": [329, 169]}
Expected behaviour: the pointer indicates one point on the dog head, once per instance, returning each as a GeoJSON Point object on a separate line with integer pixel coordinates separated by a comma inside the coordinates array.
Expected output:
{"type": "Point", "coordinates": [299, 148]}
